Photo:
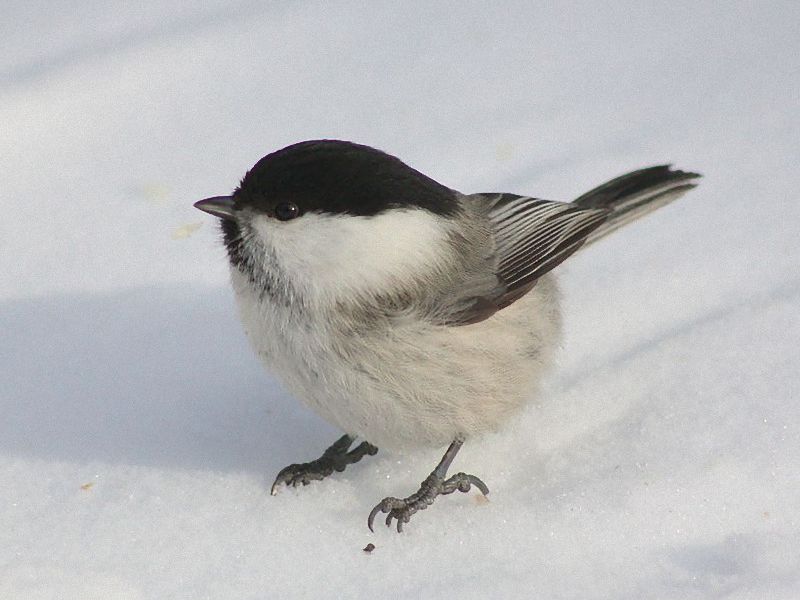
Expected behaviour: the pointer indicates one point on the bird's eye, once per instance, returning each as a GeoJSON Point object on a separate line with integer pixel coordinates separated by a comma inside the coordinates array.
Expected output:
{"type": "Point", "coordinates": [286, 211]}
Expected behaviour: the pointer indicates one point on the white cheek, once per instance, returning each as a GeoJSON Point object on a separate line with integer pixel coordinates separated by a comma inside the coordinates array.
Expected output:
{"type": "Point", "coordinates": [328, 256]}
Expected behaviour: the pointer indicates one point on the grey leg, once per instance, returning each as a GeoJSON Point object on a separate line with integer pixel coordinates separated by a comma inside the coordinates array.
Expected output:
{"type": "Point", "coordinates": [434, 485]}
{"type": "Point", "coordinates": [335, 458]}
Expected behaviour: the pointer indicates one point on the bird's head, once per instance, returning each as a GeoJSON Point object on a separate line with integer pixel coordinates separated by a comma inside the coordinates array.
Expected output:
{"type": "Point", "coordinates": [333, 216]}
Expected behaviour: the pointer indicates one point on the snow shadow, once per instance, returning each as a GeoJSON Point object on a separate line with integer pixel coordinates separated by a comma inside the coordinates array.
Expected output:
{"type": "Point", "coordinates": [150, 376]}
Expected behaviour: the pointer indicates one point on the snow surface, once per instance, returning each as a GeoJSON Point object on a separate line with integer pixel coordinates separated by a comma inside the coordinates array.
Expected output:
{"type": "Point", "coordinates": [139, 435]}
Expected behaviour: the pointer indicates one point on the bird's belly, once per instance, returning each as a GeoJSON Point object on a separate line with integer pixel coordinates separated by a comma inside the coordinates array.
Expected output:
{"type": "Point", "coordinates": [413, 385]}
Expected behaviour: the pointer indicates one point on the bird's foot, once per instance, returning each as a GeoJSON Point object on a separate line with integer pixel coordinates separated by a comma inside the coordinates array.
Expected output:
{"type": "Point", "coordinates": [335, 458]}
{"type": "Point", "coordinates": [402, 509]}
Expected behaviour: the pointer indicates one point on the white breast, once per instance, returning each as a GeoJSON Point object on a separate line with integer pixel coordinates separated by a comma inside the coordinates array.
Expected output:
{"type": "Point", "coordinates": [412, 383]}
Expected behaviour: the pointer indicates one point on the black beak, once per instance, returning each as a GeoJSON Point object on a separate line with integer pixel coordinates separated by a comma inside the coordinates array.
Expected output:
{"type": "Point", "coordinates": [219, 206]}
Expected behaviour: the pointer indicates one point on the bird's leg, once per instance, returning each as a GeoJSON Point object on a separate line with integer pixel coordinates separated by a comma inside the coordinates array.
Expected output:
{"type": "Point", "coordinates": [335, 458]}
{"type": "Point", "coordinates": [434, 485]}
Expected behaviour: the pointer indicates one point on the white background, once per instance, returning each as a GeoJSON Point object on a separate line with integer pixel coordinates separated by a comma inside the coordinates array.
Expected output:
{"type": "Point", "coordinates": [138, 435]}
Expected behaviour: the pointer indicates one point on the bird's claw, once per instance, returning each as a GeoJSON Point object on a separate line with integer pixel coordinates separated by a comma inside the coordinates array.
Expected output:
{"type": "Point", "coordinates": [300, 474]}
{"type": "Point", "coordinates": [397, 508]}
{"type": "Point", "coordinates": [402, 509]}
{"type": "Point", "coordinates": [335, 458]}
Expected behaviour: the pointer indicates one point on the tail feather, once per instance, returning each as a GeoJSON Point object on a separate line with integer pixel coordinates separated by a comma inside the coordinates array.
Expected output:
{"type": "Point", "coordinates": [635, 194]}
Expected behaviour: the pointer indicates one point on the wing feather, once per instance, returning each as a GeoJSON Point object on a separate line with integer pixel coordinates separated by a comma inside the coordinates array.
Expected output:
{"type": "Point", "coordinates": [530, 237]}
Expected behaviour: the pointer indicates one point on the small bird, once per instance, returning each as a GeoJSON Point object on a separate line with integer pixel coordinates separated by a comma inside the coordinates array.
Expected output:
{"type": "Point", "coordinates": [404, 312]}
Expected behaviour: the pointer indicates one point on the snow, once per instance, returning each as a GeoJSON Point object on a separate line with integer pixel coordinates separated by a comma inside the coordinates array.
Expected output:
{"type": "Point", "coordinates": [139, 435]}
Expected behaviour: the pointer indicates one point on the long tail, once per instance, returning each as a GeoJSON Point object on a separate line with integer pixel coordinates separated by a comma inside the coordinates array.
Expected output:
{"type": "Point", "coordinates": [635, 194]}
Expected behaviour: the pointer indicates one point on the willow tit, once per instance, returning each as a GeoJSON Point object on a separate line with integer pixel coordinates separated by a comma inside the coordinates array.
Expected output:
{"type": "Point", "coordinates": [400, 310]}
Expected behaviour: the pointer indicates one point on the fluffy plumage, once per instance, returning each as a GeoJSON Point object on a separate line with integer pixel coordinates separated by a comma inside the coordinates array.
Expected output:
{"type": "Point", "coordinates": [398, 309]}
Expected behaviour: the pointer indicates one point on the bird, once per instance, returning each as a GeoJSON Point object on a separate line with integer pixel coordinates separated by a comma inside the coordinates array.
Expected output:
{"type": "Point", "coordinates": [402, 311]}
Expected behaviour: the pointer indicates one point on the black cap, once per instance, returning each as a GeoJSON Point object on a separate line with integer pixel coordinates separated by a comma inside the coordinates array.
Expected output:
{"type": "Point", "coordinates": [334, 176]}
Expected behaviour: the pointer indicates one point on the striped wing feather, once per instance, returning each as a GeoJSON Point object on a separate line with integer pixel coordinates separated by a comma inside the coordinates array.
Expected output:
{"type": "Point", "coordinates": [531, 237]}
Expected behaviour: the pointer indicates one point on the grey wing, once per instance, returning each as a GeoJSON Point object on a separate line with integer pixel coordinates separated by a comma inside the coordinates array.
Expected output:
{"type": "Point", "coordinates": [527, 237]}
